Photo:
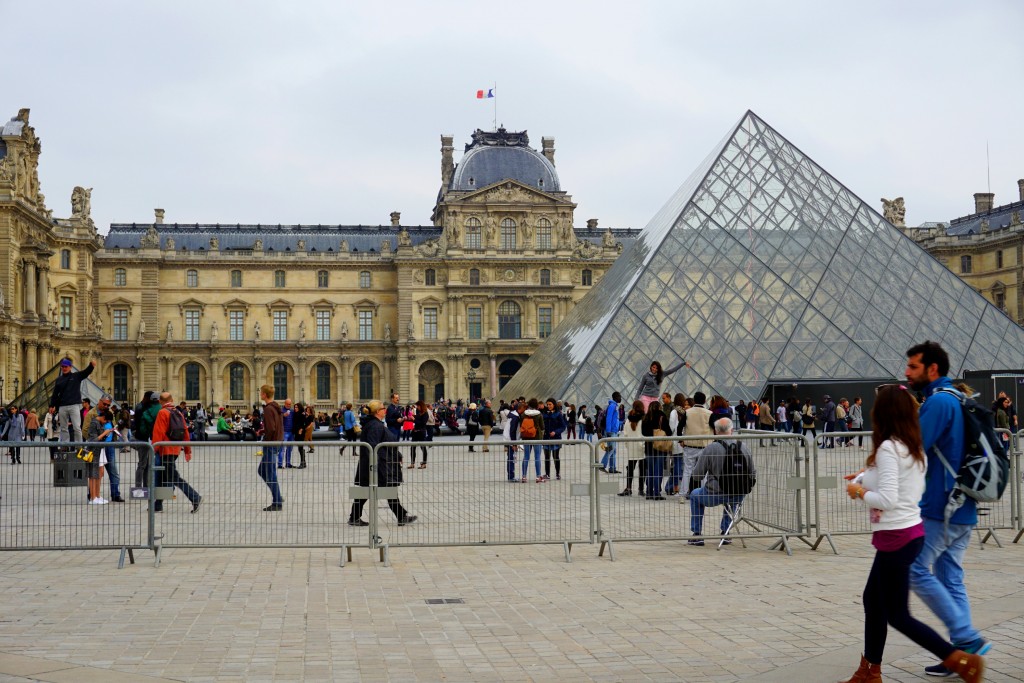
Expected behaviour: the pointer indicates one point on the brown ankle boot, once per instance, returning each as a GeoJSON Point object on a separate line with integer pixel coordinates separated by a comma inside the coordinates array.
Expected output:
{"type": "Point", "coordinates": [866, 673]}
{"type": "Point", "coordinates": [969, 667]}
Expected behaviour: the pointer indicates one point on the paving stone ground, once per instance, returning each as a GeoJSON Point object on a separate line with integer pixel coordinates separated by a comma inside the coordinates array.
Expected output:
{"type": "Point", "coordinates": [662, 611]}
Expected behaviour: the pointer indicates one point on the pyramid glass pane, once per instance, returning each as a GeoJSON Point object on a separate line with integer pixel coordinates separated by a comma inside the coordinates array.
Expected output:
{"type": "Point", "coordinates": [764, 268]}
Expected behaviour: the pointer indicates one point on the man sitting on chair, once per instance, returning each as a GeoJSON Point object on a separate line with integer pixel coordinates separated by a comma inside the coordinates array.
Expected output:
{"type": "Point", "coordinates": [727, 474]}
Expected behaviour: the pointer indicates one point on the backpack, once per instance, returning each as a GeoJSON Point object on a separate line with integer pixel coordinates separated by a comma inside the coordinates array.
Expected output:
{"type": "Point", "coordinates": [528, 427]}
{"type": "Point", "coordinates": [737, 476]}
{"type": "Point", "coordinates": [472, 418]}
{"type": "Point", "coordinates": [176, 429]}
{"type": "Point", "coordinates": [985, 469]}
{"type": "Point", "coordinates": [588, 426]}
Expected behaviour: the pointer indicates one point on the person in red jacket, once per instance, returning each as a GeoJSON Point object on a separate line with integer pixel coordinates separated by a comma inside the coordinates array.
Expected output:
{"type": "Point", "coordinates": [170, 426]}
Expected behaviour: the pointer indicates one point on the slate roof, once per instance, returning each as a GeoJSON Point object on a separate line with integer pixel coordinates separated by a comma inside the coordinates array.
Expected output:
{"type": "Point", "coordinates": [13, 127]}
{"type": "Point", "coordinates": [998, 219]}
{"type": "Point", "coordinates": [482, 166]}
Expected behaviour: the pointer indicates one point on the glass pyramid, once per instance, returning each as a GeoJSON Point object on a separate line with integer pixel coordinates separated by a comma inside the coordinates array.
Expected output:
{"type": "Point", "coordinates": [764, 268]}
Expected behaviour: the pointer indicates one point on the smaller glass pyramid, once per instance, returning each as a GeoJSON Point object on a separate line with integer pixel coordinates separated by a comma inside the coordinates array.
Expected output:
{"type": "Point", "coordinates": [764, 268]}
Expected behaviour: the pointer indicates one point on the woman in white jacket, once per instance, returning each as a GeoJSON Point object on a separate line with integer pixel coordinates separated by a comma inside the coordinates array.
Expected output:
{"type": "Point", "coordinates": [890, 487]}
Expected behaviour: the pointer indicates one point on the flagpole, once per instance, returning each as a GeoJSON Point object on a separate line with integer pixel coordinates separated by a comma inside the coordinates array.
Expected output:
{"type": "Point", "coordinates": [495, 106]}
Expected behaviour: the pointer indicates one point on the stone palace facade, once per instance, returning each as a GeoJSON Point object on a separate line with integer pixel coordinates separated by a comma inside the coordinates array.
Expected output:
{"type": "Point", "coordinates": [324, 313]}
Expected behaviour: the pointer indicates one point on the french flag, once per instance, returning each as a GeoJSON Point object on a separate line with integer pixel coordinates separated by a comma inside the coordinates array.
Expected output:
{"type": "Point", "coordinates": [485, 94]}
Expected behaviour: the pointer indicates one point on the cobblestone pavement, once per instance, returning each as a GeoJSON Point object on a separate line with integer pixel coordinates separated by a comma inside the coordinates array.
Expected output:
{"type": "Point", "coordinates": [661, 611]}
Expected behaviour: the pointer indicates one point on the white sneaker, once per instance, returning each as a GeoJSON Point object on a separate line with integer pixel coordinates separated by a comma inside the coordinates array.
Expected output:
{"type": "Point", "coordinates": [101, 501]}
{"type": "Point", "coordinates": [94, 501]}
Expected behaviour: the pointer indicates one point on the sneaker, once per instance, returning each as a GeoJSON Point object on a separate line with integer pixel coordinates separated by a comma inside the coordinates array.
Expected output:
{"type": "Point", "coordinates": [100, 501]}
{"type": "Point", "coordinates": [938, 671]}
{"type": "Point", "coordinates": [726, 541]}
{"type": "Point", "coordinates": [195, 505]}
{"type": "Point", "coordinates": [695, 541]}
{"type": "Point", "coordinates": [117, 499]}
{"type": "Point", "coordinates": [357, 522]}
{"type": "Point", "coordinates": [274, 507]}
{"type": "Point", "coordinates": [540, 480]}
{"type": "Point", "coordinates": [627, 492]}
{"type": "Point", "coordinates": [605, 470]}
{"type": "Point", "coordinates": [409, 519]}
{"type": "Point", "coordinates": [978, 647]}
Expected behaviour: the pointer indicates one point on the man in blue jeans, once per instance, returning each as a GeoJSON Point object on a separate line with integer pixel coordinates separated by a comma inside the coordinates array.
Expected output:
{"type": "Point", "coordinates": [284, 454]}
{"type": "Point", "coordinates": [716, 484]}
{"type": "Point", "coordinates": [272, 431]}
{"type": "Point", "coordinates": [612, 427]}
{"type": "Point", "coordinates": [937, 576]}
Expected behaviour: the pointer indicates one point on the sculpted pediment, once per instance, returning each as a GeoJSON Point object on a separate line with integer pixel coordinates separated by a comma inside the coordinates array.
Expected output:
{"type": "Point", "coordinates": [235, 304]}
{"type": "Point", "coordinates": [191, 303]}
{"type": "Point", "coordinates": [119, 302]}
{"type": "Point", "coordinates": [509, 192]}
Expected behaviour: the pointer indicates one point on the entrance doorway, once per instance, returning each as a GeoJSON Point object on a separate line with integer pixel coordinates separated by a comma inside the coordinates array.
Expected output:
{"type": "Point", "coordinates": [507, 370]}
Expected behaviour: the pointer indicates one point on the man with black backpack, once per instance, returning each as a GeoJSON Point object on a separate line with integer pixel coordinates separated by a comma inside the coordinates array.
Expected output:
{"type": "Point", "coordinates": [170, 426]}
{"type": "Point", "coordinates": [942, 432]}
{"type": "Point", "coordinates": [727, 474]}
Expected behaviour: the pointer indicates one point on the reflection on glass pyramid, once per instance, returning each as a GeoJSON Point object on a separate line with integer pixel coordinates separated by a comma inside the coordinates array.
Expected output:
{"type": "Point", "coordinates": [764, 268]}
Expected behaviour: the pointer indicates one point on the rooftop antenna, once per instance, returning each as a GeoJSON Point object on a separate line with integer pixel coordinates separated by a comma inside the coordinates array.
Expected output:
{"type": "Point", "coordinates": [495, 91]}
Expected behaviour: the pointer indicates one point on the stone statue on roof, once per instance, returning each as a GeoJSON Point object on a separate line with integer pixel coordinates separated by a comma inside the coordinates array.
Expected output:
{"type": "Point", "coordinates": [894, 211]}
{"type": "Point", "coordinates": [344, 246]}
{"type": "Point", "coordinates": [608, 239]}
{"type": "Point", "coordinates": [404, 240]}
{"type": "Point", "coordinates": [214, 243]}
{"type": "Point", "coordinates": [151, 240]}
{"type": "Point", "coordinates": [302, 245]}
{"type": "Point", "coordinates": [258, 245]}
{"type": "Point", "coordinates": [169, 244]}
{"type": "Point", "coordinates": [385, 245]}
{"type": "Point", "coordinates": [81, 203]}
{"type": "Point", "coordinates": [585, 249]}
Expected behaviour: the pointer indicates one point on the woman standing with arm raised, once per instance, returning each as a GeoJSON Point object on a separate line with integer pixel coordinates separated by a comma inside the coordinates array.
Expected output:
{"type": "Point", "coordinates": [650, 383]}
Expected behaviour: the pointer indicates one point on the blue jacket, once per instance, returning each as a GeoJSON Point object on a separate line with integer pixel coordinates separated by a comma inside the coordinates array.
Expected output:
{"type": "Point", "coordinates": [350, 420]}
{"type": "Point", "coordinates": [942, 427]}
{"type": "Point", "coordinates": [612, 424]}
{"type": "Point", "coordinates": [554, 421]}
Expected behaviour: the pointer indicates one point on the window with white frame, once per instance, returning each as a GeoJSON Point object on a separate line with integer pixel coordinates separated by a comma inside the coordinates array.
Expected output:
{"type": "Point", "coordinates": [364, 279]}
{"type": "Point", "coordinates": [322, 279]}
{"type": "Point", "coordinates": [192, 382]}
{"type": "Point", "coordinates": [366, 381]}
{"type": "Point", "coordinates": [588, 277]}
{"type": "Point", "coordinates": [67, 305]}
{"type": "Point", "coordinates": [236, 325]}
{"type": "Point", "coordinates": [120, 277]}
{"type": "Point", "coordinates": [474, 320]}
{"type": "Point", "coordinates": [192, 278]}
{"type": "Point", "coordinates": [236, 382]}
{"type": "Point", "coordinates": [323, 381]}
{"type": "Point", "coordinates": [473, 234]}
{"type": "Point", "coordinates": [279, 278]}
{"type": "Point", "coordinates": [430, 323]}
{"type": "Point", "coordinates": [365, 325]}
{"type": "Point", "coordinates": [65, 259]}
{"type": "Point", "coordinates": [323, 325]}
{"type": "Point", "coordinates": [474, 277]}
{"type": "Point", "coordinates": [192, 324]}
{"type": "Point", "coordinates": [430, 277]}
{"type": "Point", "coordinates": [280, 325]}
{"type": "Point", "coordinates": [545, 277]}
{"type": "Point", "coordinates": [543, 233]}
{"type": "Point", "coordinates": [120, 324]}
{"type": "Point", "coordinates": [544, 322]}
{"type": "Point", "coordinates": [508, 233]}
{"type": "Point", "coordinates": [236, 278]}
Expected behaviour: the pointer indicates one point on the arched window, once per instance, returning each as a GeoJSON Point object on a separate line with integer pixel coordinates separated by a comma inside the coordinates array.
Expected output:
{"type": "Point", "coordinates": [65, 259]}
{"type": "Point", "coordinates": [192, 382]}
{"type": "Point", "coordinates": [364, 279]}
{"type": "Point", "coordinates": [545, 276]}
{"type": "Point", "coordinates": [588, 277]}
{"type": "Point", "coordinates": [192, 278]}
{"type": "Point", "coordinates": [236, 278]}
{"type": "Point", "coordinates": [279, 280]}
{"type": "Point", "coordinates": [281, 381]}
{"type": "Point", "coordinates": [543, 233]}
{"type": "Point", "coordinates": [365, 381]}
{"type": "Point", "coordinates": [322, 279]}
{"type": "Point", "coordinates": [965, 264]}
{"type": "Point", "coordinates": [120, 382]}
{"type": "Point", "coordinates": [323, 381]}
{"type": "Point", "coordinates": [120, 277]}
{"type": "Point", "coordinates": [508, 233]}
{"type": "Point", "coordinates": [236, 382]}
{"type": "Point", "coordinates": [473, 234]}
{"type": "Point", "coordinates": [474, 277]}
{"type": "Point", "coordinates": [509, 320]}
{"type": "Point", "coordinates": [430, 277]}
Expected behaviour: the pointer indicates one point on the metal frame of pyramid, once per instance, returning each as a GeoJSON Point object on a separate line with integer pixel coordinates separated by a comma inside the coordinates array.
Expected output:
{"type": "Point", "coordinates": [763, 268]}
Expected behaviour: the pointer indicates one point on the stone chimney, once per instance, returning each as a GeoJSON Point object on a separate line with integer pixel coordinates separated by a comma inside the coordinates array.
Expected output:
{"type": "Point", "coordinates": [396, 218]}
{"type": "Point", "coordinates": [983, 202]}
{"type": "Point", "coordinates": [1020, 188]}
{"type": "Point", "coordinates": [591, 224]}
{"type": "Point", "coordinates": [159, 216]}
{"type": "Point", "coordinates": [447, 162]}
{"type": "Point", "coordinates": [548, 149]}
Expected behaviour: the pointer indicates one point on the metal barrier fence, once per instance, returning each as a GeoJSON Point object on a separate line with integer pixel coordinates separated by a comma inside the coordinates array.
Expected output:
{"type": "Point", "coordinates": [778, 506]}
{"type": "Point", "coordinates": [45, 504]}
{"type": "Point", "coordinates": [465, 493]}
{"type": "Point", "coordinates": [236, 508]}
{"type": "Point", "coordinates": [841, 453]}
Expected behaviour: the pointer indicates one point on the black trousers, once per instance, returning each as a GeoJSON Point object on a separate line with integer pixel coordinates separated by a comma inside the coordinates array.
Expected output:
{"type": "Point", "coordinates": [886, 603]}
{"type": "Point", "coordinates": [393, 503]}
{"type": "Point", "coordinates": [549, 454]}
{"type": "Point", "coordinates": [630, 467]}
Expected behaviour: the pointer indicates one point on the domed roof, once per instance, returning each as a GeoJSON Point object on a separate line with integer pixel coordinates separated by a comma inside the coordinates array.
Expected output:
{"type": "Point", "coordinates": [500, 155]}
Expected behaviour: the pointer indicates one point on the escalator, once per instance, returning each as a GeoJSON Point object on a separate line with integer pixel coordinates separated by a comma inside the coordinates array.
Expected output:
{"type": "Point", "coordinates": [37, 396]}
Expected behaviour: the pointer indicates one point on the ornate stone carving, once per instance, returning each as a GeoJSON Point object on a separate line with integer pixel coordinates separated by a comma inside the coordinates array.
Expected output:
{"type": "Point", "coordinates": [169, 244]}
{"type": "Point", "coordinates": [41, 204]}
{"type": "Point", "coordinates": [302, 330]}
{"type": "Point", "coordinates": [97, 322]}
{"type": "Point", "coordinates": [214, 332]}
{"type": "Point", "coordinates": [344, 330]}
{"type": "Point", "coordinates": [258, 245]}
{"type": "Point", "coordinates": [170, 331]}
{"type": "Point", "coordinates": [385, 246]}
{"type": "Point", "coordinates": [387, 332]}
{"type": "Point", "coordinates": [344, 247]}
{"type": "Point", "coordinates": [586, 249]}
{"type": "Point", "coordinates": [7, 166]}
{"type": "Point", "coordinates": [894, 211]}
{"type": "Point", "coordinates": [417, 276]}
{"type": "Point", "coordinates": [410, 331]}
{"type": "Point", "coordinates": [81, 203]}
{"type": "Point", "coordinates": [302, 245]}
{"type": "Point", "coordinates": [527, 229]}
{"type": "Point", "coordinates": [255, 329]}
{"type": "Point", "coordinates": [214, 243]}
{"type": "Point", "coordinates": [1015, 218]}
{"type": "Point", "coordinates": [404, 240]}
{"type": "Point", "coordinates": [142, 330]}
{"type": "Point", "coordinates": [575, 277]}
{"type": "Point", "coordinates": [151, 240]}
{"type": "Point", "coordinates": [608, 239]}
{"type": "Point", "coordinates": [492, 232]}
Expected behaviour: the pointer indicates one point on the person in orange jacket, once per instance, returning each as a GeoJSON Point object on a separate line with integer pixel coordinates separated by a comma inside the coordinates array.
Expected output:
{"type": "Point", "coordinates": [170, 426]}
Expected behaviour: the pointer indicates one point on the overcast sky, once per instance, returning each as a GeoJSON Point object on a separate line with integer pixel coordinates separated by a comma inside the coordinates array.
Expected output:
{"type": "Point", "coordinates": [330, 112]}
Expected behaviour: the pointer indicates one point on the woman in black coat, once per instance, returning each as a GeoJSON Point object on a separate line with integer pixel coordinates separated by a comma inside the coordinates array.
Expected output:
{"type": "Point", "coordinates": [654, 419]}
{"type": "Point", "coordinates": [389, 465]}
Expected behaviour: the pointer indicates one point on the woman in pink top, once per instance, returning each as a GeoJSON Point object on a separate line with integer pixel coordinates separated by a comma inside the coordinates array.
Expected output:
{"type": "Point", "coordinates": [891, 486]}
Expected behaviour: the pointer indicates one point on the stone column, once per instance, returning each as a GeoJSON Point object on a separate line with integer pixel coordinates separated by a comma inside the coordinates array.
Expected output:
{"type": "Point", "coordinates": [30, 288]}
{"type": "Point", "coordinates": [30, 363]}
{"type": "Point", "coordinates": [43, 292]}
{"type": "Point", "coordinates": [494, 376]}
{"type": "Point", "coordinates": [212, 382]}
{"type": "Point", "coordinates": [257, 378]}
{"type": "Point", "coordinates": [345, 379]}
{"type": "Point", "coordinates": [165, 377]}
{"type": "Point", "coordinates": [302, 382]}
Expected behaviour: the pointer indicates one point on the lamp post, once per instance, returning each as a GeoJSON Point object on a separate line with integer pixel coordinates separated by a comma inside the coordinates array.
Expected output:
{"type": "Point", "coordinates": [16, 382]}
{"type": "Point", "coordinates": [1, 390]}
